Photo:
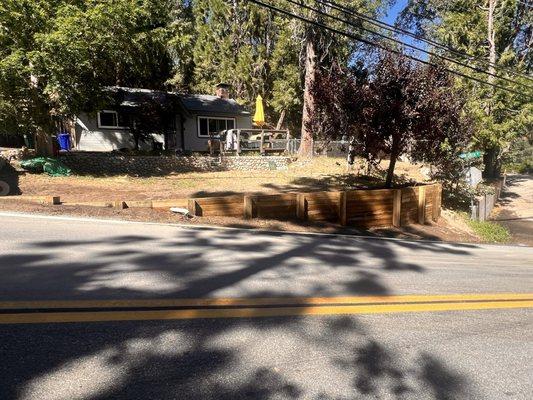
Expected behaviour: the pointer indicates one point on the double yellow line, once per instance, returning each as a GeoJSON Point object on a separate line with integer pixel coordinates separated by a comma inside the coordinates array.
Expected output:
{"type": "Point", "coordinates": [176, 309]}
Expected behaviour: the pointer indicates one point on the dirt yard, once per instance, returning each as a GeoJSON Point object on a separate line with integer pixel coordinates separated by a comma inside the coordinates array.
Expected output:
{"type": "Point", "coordinates": [319, 174]}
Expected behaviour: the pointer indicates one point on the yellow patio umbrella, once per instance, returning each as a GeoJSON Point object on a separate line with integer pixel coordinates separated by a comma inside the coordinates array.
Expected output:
{"type": "Point", "coordinates": [259, 117]}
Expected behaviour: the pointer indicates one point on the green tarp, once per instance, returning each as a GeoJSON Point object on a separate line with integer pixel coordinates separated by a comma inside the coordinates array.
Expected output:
{"type": "Point", "coordinates": [51, 166]}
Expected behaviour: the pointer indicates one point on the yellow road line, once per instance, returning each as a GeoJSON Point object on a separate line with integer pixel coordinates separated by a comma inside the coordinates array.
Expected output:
{"type": "Point", "coordinates": [59, 317]}
{"type": "Point", "coordinates": [287, 301]}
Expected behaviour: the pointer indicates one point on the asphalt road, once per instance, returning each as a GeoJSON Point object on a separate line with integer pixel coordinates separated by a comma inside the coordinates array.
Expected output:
{"type": "Point", "coordinates": [404, 354]}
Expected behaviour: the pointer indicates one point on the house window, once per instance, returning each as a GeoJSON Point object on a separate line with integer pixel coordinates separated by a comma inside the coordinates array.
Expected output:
{"type": "Point", "coordinates": [113, 120]}
{"type": "Point", "coordinates": [208, 126]}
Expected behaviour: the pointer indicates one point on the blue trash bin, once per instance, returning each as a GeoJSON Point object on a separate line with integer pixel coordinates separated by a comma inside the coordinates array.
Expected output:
{"type": "Point", "coordinates": [64, 141]}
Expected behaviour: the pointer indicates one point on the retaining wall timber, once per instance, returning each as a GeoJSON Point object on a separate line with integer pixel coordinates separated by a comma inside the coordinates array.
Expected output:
{"type": "Point", "coordinates": [362, 208]}
{"type": "Point", "coordinates": [483, 205]}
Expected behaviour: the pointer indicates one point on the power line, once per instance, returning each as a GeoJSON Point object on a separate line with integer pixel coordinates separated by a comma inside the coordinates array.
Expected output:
{"type": "Point", "coordinates": [360, 39]}
{"type": "Point", "coordinates": [476, 69]}
{"type": "Point", "coordinates": [394, 29]}
{"type": "Point", "coordinates": [433, 42]}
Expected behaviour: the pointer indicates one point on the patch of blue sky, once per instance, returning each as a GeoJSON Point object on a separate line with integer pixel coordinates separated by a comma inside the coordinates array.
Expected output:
{"type": "Point", "coordinates": [389, 17]}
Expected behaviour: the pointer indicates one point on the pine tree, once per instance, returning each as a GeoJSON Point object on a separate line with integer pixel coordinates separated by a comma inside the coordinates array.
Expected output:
{"type": "Point", "coordinates": [500, 34]}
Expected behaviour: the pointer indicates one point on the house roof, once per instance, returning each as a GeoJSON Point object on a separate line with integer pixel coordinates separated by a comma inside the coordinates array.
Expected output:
{"type": "Point", "coordinates": [135, 97]}
{"type": "Point", "coordinates": [212, 104]}
{"type": "Point", "coordinates": [196, 103]}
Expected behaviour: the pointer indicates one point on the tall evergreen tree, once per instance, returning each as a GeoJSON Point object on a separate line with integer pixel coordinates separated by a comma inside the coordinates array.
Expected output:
{"type": "Point", "coordinates": [56, 57]}
{"type": "Point", "coordinates": [234, 43]}
{"type": "Point", "coordinates": [321, 48]}
{"type": "Point", "coordinates": [500, 34]}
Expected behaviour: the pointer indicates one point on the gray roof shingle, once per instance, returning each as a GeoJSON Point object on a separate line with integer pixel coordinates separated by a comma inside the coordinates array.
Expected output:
{"type": "Point", "coordinates": [196, 103]}
{"type": "Point", "coordinates": [212, 104]}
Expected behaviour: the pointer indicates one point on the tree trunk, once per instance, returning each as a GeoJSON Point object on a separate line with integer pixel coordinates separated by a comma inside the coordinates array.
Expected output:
{"type": "Point", "coordinates": [43, 144]}
{"type": "Point", "coordinates": [281, 120]}
{"type": "Point", "coordinates": [306, 145]}
{"type": "Point", "coordinates": [491, 160]}
{"type": "Point", "coordinates": [390, 171]}
{"type": "Point", "coordinates": [491, 38]}
{"type": "Point", "coordinates": [395, 153]}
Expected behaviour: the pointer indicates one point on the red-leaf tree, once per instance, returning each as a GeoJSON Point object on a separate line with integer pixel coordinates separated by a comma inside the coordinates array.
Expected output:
{"type": "Point", "coordinates": [400, 108]}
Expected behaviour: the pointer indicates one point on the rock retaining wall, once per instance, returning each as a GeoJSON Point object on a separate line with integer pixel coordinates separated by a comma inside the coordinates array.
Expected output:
{"type": "Point", "coordinates": [116, 164]}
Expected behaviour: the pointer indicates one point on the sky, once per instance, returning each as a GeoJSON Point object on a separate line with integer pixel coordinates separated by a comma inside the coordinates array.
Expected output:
{"type": "Point", "coordinates": [393, 12]}
{"type": "Point", "coordinates": [390, 18]}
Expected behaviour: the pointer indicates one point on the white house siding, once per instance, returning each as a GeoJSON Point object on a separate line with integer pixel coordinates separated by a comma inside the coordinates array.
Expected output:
{"type": "Point", "coordinates": [195, 143]}
{"type": "Point", "coordinates": [91, 138]}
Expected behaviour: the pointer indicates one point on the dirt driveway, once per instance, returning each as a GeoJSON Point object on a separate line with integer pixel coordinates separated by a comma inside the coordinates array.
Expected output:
{"type": "Point", "coordinates": [515, 211]}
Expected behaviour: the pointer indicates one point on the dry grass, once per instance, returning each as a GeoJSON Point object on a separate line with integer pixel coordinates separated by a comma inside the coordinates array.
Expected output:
{"type": "Point", "coordinates": [320, 173]}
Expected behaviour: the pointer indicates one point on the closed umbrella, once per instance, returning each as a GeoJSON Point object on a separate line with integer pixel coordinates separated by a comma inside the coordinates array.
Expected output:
{"type": "Point", "coordinates": [259, 117]}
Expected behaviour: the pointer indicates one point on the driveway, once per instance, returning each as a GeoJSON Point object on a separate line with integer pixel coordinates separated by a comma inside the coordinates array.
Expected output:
{"type": "Point", "coordinates": [516, 208]}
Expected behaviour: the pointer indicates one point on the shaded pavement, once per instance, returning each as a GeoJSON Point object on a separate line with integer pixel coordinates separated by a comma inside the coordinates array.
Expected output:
{"type": "Point", "coordinates": [442, 355]}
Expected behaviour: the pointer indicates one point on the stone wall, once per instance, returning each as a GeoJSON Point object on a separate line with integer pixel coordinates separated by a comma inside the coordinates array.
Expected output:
{"type": "Point", "coordinates": [116, 164]}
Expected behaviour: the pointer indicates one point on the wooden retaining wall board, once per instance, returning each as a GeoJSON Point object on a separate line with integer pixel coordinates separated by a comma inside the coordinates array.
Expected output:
{"type": "Point", "coordinates": [227, 206]}
{"type": "Point", "coordinates": [277, 206]}
{"type": "Point", "coordinates": [168, 203]}
{"type": "Point", "coordinates": [45, 200]}
{"type": "Point", "coordinates": [366, 208]}
{"type": "Point", "coordinates": [363, 208]}
{"type": "Point", "coordinates": [320, 206]}
{"type": "Point", "coordinates": [432, 202]}
{"type": "Point", "coordinates": [409, 209]}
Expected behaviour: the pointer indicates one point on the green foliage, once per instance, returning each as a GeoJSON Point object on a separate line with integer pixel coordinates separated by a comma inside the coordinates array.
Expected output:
{"type": "Point", "coordinates": [490, 231]}
{"type": "Point", "coordinates": [259, 52]}
{"type": "Point", "coordinates": [520, 156]}
{"type": "Point", "coordinates": [464, 25]}
{"type": "Point", "coordinates": [56, 57]}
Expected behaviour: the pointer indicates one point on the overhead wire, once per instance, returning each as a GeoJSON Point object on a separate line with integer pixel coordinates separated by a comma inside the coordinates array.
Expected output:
{"type": "Point", "coordinates": [395, 40]}
{"type": "Point", "coordinates": [435, 43]}
{"type": "Point", "coordinates": [374, 44]}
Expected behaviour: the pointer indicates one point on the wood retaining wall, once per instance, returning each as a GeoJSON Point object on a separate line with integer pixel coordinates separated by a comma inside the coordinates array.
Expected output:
{"type": "Point", "coordinates": [362, 208]}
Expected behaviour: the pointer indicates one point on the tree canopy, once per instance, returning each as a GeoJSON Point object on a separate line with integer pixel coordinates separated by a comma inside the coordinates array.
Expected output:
{"type": "Point", "coordinates": [58, 56]}
{"type": "Point", "coordinates": [402, 108]}
{"type": "Point", "coordinates": [498, 34]}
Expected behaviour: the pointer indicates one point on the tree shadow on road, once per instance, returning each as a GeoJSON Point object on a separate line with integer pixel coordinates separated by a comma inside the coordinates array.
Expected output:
{"type": "Point", "coordinates": [202, 359]}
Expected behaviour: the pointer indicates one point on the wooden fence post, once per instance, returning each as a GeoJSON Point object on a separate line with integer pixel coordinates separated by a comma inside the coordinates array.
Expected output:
{"type": "Point", "coordinates": [119, 204]}
{"type": "Point", "coordinates": [248, 207]}
{"type": "Point", "coordinates": [397, 208]}
{"type": "Point", "coordinates": [193, 208]}
{"type": "Point", "coordinates": [421, 204]}
{"type": "Point", "coordinates": [301, 207]}
{"type": "Point", "coordinates": [437, 202]}
{"type": "Point", "coordinates": [342, 208]}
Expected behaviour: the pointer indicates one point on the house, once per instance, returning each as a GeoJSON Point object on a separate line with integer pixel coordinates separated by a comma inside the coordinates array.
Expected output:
{"type": "Point", "coordinates": [185, 122]}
